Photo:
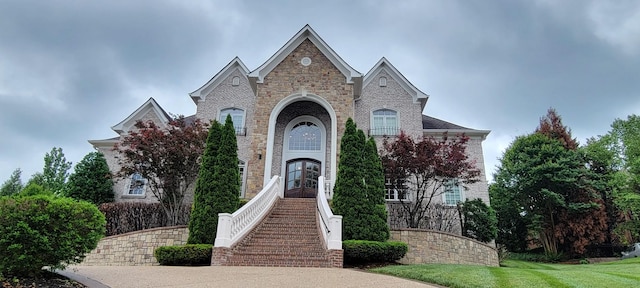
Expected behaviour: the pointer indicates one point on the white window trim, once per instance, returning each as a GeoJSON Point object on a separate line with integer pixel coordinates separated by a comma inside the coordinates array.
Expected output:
{"type": "Point", "coordinates": [407, 197]}
{"type": "Point", "coordinates": [382, 81]}
{"type": "Point", "coordinates": [319, 155]}
{"type": "Point", "coordinates": [235, 81]}
{"type": "Point", "coordinates": [127, 190]}
{"type": "Point", "coordinates": [242, 127]}
{"type": "Point", "coordinates": [243, 177]}
{"type": "Point", "coordinates": [372, 126]}
{"type": "Point", "coordinates": [444, 194]}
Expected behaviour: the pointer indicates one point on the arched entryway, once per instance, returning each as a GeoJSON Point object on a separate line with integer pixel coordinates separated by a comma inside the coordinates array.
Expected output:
{"type": "Point", "coordinates": [306, 111]}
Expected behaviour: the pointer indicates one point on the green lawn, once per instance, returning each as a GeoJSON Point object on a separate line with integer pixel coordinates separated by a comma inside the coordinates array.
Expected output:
{"type": "Point", "coordinates": [625, 273]}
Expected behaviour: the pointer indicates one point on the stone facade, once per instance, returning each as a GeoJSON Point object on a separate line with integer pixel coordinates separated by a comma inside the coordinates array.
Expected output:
{"type": "Point", "coordinates": [135, 248]}
{"type": "Point", "coordinates": [443, 248]}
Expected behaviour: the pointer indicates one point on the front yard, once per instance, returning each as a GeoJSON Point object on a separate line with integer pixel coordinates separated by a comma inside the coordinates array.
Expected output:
{"type": "Point", "coordinates": [624, 273]}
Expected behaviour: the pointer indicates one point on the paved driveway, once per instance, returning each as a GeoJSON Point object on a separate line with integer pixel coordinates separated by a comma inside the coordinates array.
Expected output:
{"type": "Point", "coordinates": [229, 277]}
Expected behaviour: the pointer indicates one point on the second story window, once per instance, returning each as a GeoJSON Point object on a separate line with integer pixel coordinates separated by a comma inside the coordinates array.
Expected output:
{"type": "Point", "coordinates": [385, 122]}
{"type": "Point", "coordinates": [237, 116]}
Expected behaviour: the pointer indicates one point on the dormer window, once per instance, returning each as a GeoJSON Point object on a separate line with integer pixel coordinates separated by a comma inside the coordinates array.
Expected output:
{"type": "Point", "coordinates": [383, 81]}
{"type": "Point", "coordinates": [235, 81]}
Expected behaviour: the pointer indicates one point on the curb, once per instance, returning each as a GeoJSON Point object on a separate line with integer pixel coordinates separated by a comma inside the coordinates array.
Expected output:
{"type": "Point", "coordinates": [82, 279]}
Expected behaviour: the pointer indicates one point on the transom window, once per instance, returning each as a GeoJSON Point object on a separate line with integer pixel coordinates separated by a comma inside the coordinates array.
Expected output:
{"type": "Point", "coordinates": [305, 136]}
{"type": "Point", "coordinates": [136, 186]}
{"type": "Point", "coordinates": [452, 192]}
{"type": "Point", "coordinates": [237, 116]}
{"type": "Point", "coordinates": [385, 122]}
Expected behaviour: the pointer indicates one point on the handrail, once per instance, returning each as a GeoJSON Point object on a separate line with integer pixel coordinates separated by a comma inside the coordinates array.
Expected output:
{"type": "Point", "coordinates": [233, 227]}
{"type": "Point", "coordinates": [331, 233]}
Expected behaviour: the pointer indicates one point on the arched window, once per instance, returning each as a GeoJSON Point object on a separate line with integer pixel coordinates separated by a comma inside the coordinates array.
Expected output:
{"type": "Point", "coordinates": [385, 122]}
{"type": "Point", "coordinates": [237, 116]}
{"type": "Point", "coordinates": [305, 136]}
{"type": "Point", "coordinates": [136, 185]}
{"type": "Point", "coordinates": [235, 81]}
{"type": "Point", "coordinates": [383, 81]}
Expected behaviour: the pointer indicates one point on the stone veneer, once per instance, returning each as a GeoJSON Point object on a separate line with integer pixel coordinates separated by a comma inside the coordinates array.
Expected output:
{"type": "Point", "coordinates": [427, 246]}
{"type": "Point", "coordinates": [135, 248]}
{"type": "Point", "coordinates": [289, 77]}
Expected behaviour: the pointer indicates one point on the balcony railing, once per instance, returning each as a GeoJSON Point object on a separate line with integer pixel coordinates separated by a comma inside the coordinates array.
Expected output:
{"type": "Point", "coordinates": [241, 131]}
{"type": "Point", "coordinates": [384, 131]}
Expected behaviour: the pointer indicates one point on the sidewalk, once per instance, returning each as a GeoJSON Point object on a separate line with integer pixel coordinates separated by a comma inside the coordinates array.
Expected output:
{"type": "Point", "coordinates": [229, 277]}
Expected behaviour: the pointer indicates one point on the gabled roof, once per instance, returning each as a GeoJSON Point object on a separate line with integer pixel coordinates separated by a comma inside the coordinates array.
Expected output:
{"type": "Point", "coordinates": [202, 92]}
{"type": "Point", "coordinates": [436, 126]}
{"type": "Point", "coordinates": [385, 65]}
{"type": "Point", "coordinates": [150, 105]}
{"type": "Point", "coordinates": [305, 33]}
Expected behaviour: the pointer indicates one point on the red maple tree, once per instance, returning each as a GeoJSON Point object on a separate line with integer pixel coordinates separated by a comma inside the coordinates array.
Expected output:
{"type": "Point", "coordinates": [422, 168]}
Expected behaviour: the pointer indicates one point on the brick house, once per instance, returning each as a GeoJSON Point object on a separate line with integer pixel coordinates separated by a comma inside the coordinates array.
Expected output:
{"type": "Point", "coordinates": [290, 113]}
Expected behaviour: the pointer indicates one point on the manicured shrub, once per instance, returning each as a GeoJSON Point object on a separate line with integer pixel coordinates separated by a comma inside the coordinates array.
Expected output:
{"type": "Point", "coordinates": [42, 230]}
{"type": "Point", "coordinates": [186, 255]}
{"type": "Point", "coordinates": [361, 251]}
{"type": "Point", "coordinates": [123, 217]}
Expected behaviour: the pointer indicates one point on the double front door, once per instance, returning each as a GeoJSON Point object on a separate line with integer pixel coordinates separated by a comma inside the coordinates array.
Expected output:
{"type": "Point", "coordinates": [302, 178]}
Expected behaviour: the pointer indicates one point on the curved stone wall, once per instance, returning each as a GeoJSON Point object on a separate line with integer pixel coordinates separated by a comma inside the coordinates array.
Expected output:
{"type": "Point", "coordinates": [426, 246]}
{"type": "Point", "coordinates": [135, 248]}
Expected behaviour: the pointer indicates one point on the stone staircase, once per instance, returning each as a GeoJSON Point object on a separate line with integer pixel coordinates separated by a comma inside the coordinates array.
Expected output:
{"type": "Point", "coordinates": [287, 237]}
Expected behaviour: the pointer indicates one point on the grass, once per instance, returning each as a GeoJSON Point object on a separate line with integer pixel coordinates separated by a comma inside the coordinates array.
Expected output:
{"type": "Point", "coordinates": [515, 273]}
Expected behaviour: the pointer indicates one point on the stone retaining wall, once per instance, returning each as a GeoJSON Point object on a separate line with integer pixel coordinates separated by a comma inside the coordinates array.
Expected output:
{"type": "Point", "coordinates": [426, 246]}
{"type": "Point", "coordinates": [135, 248]}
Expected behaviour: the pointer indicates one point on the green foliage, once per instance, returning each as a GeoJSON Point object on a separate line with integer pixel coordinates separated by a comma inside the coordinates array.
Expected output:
{"type": "Point", "coordinates": [123, 217]}
{"type": "Point", "coordinates": [478, 220]}
{"type": "Point", "coordinates": [13, 185]}
{"type": "Point", "coordinates": [226, 196]}
{"type": "Point", "coordinates": [545, 181]}
{"type": "Point", "coordinates": [512, 227]}
{"type": "Point", "coordinates": [190, 254]}
{"type": "Point", "coordinates": [359, 188]}
{"type": "Point", "coordinates": [362, 251]}
{"type": "Point", "coordinates": [204, 219]}
{"type": "Point", "coordinates": [33, 190]}
{"type": "Point", "coordinates": [91, 180]}
{"type": "Point", "coordinates": [55, 171]}
{"type": "Point", "coordinates": [42, 230]}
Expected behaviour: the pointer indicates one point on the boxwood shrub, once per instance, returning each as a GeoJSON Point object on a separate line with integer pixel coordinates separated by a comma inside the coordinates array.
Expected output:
{"type": "Point", "coordinates": [43, 230]}
{"type": "Point", "coordinates": [184, 255]}
{"type": "Point", "coordinates": [361, 251]}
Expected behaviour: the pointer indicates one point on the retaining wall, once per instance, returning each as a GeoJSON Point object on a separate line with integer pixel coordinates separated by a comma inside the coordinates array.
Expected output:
{"type": "Point", "coordinates": [135, 248]}
{"type": "Point", "coordinates": [427, 246]}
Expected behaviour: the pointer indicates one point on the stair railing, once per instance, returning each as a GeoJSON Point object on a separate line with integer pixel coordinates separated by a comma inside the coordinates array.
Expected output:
{"type": "Point", "coordinates": [332, 228]}
{"type": "Point", "coordinates": [233, 227]}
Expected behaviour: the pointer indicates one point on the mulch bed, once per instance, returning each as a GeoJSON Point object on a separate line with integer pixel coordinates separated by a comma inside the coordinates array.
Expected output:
{"type": "Point", "coordinates": [45, 279]}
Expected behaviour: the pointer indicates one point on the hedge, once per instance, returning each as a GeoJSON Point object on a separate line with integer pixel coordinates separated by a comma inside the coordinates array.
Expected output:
{"type": "Point", "coordinates": [362, 251]}
{"type": "Point", "coordinates": [184, 255]}
{"type": "Point", "coordinates": [123, 217]}
{"type": "Point", "coordinates": [41, 230]}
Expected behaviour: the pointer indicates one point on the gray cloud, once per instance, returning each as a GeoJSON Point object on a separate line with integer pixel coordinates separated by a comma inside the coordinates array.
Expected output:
{"type": "Point", "coordinates": [69, 70]}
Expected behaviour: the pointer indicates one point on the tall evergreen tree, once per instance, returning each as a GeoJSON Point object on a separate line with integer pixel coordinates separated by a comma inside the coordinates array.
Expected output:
{"type": "Point", "coordinates": [203, 220]}
{"type": "Point", "coordinates": [226, 175]}
{"type": "Point", "coordinates": [13, 185]}
{"type": "Point", "coordinates": [91, 180]}
{"type": "Point", "coordinates": [374, 175]}
{"type": "Point", "coordinates": [361, 219]}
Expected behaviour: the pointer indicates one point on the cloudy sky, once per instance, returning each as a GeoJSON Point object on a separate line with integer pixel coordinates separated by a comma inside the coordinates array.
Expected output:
{"type": "Point", "coordinates": [69, 70]}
